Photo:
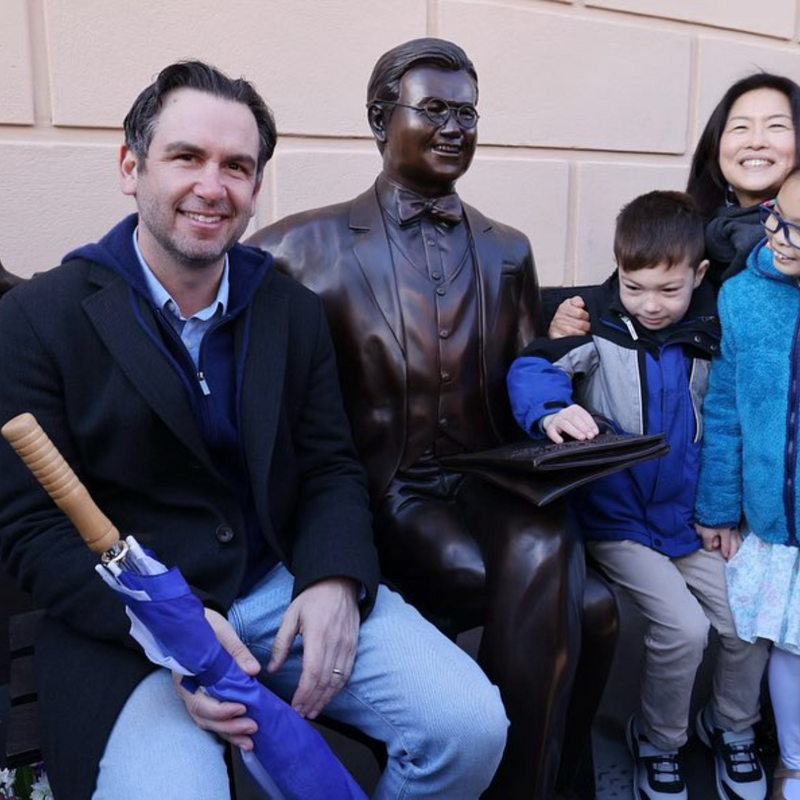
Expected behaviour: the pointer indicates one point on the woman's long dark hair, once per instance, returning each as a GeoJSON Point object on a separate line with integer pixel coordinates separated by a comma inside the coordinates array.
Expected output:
{"type": "Point", "coordinates": [706, 185]}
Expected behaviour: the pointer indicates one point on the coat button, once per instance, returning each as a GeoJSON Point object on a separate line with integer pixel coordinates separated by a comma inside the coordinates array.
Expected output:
{"type": "Point", "coordinates": [224, 534]}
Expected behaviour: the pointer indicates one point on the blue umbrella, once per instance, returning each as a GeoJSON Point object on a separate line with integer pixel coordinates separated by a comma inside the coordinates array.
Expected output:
{"type": "Point", "coordinates": [290, 760]}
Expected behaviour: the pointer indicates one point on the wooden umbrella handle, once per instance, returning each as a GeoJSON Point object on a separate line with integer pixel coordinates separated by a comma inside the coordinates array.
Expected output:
{"type": "Point", "coordinates": [34, 447]}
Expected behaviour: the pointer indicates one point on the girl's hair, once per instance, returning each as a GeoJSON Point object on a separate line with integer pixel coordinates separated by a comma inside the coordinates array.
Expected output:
{"type": "Point", "coordinates": [706, 183]}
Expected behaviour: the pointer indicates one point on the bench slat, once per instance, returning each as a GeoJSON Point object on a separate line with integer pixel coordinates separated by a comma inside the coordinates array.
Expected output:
{"type": "Point", "coordinates": [22, 745]}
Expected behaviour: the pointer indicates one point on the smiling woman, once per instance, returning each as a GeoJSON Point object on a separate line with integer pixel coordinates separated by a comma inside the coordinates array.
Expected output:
{"type": "Point", "coordinates": [749, 145]}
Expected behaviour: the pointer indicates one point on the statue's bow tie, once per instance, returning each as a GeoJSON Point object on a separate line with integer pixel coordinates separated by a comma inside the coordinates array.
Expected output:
{"type": "Point", "coordinates": [446, 209]}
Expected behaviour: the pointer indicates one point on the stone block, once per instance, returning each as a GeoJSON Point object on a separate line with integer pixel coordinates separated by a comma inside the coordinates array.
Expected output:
{"type": "Point", "coordinates": [16, 86]}
{"type": "Point", "coordinates": [528, 193]}
{"type": "Point", "coordinates": [71, 196]}
{"type": "Point", "coordinates": [310, 60]}
{"type": "Point", "coordinates": [555, 80]}
{"type": "Point", "coordinates": [602, 190]}
{"type": "Point", "coordinates": [777, 18]}
{"type": "Point", "coordinates": [723, 61]}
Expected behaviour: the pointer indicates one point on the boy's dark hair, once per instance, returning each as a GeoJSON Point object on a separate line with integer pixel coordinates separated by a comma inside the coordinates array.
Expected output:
{"type": "Point", "coordinates": [659, 227]}
{"type": "Point", "coordinates": [707, 185]}
{"type": "Point", "coordinates": [140, 122]}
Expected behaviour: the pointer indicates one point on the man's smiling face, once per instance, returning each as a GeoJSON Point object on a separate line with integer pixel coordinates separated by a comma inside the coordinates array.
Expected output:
{"type": "Point", "coordinates": [196, 189]}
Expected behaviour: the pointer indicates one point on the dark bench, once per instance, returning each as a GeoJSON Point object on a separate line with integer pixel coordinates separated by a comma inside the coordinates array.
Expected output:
{"type": "Point", "coordinates": [22, 736]}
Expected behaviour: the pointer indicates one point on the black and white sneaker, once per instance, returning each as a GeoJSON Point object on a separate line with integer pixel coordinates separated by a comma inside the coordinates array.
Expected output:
{"type": "Point", "coordinates": [740, 775]}
{"type": "Point", "coordinates": [657, 774]}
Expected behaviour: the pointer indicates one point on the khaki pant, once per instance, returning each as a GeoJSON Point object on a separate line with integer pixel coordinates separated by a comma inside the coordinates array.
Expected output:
{"type": "Point", "coordinates": [681, 598]}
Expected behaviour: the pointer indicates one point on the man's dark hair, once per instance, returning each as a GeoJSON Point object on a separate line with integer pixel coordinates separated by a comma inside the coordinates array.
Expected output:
{"type": "Point", "coordinates": [384, 83]}
{"type": "Point", "coordinates": [706, 183]}
{"type": "Point", "coordinates": [141, 120]}
{"type": "Point", "coordinates": [659, 227]}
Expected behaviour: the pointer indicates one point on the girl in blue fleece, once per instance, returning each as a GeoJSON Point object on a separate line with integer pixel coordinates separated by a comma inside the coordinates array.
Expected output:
{"type": "Point", "coordinates": [749, 461]}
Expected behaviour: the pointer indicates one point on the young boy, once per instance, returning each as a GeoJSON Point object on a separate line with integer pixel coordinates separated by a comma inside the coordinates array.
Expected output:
{"type": "Point", "coordinates": [645, 366]}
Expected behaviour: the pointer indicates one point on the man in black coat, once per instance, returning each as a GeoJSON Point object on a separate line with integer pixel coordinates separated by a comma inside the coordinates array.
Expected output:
{"type": "Point", "coordinates": [194, 390]}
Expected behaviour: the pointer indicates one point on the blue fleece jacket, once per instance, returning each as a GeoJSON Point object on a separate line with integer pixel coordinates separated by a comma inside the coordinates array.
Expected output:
{"type": "Point", "coordinates": [750, 450]}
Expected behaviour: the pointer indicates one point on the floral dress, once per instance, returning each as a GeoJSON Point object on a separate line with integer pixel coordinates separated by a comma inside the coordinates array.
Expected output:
{"type": "Point", "coordinates": [764, 592]}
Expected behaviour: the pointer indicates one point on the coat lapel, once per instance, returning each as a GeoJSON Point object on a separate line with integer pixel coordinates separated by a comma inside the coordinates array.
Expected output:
{"type": "Point", "coordinates": [141, 359]}
{"type": "Point", "coordinates": [372, 251]}
{"type": "Point", "coordinates": [490, 275]}
{"type": "Point", "coordinates": [262, 381]}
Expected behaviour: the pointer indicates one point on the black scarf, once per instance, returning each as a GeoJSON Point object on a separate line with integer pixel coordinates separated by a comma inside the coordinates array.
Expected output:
{"type": "Point", "coordinates": [730, 236]}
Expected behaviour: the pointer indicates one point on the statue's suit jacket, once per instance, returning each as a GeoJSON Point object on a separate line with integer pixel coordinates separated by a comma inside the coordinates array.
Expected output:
{"type": "Point", "coordinates": [342, 253]}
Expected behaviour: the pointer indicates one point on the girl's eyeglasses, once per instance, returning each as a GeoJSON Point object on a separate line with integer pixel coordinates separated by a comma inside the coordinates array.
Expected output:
{"type": "Point", "coordinates": [773, 223]}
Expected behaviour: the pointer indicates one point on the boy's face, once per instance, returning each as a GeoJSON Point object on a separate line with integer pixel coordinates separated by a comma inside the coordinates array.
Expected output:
{"type": "Point", "coordinates": [785, 254]}
{"type": "Point", "coordinates": [658, 296]}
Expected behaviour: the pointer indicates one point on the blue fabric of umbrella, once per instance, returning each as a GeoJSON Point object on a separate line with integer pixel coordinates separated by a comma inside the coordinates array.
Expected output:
{"type": "Point", "coordinates": [290, 759]}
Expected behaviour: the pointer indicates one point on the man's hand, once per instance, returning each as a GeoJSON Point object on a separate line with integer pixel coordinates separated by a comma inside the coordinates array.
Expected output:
{"type": "Point", "coordinates": [727, 540]}
{"type": "Point", "coordinates": [326, 616]}
{"type": "Point", "coordinates": [570, 319]}
{"type": "Point", "coordinates": [227, 720]}
{"type": "Point", "coordinates": [573, 420]}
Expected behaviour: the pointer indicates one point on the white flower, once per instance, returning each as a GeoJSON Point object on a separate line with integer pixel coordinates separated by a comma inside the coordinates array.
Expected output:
{"type": "Point", "coordinates": [40, 790]}
{"type": "Point", "coordinates": [7, 783]}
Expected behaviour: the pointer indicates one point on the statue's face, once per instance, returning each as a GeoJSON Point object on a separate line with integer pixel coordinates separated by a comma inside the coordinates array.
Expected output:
{"type": "Point", "coordinates": [418, 154]}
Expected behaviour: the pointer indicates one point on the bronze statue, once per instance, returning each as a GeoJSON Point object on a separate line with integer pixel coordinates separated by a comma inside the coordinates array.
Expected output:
{"type": "Point", "coordinates": [429, 302]}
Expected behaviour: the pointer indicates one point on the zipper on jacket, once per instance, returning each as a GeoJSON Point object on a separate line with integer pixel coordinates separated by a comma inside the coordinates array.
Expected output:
{"type": "Point", "coordinates": [790, 455]}
{"type": "Point", "coordinates": [629, 326]}
{"type": "Point", "coordinates": [203, 385]}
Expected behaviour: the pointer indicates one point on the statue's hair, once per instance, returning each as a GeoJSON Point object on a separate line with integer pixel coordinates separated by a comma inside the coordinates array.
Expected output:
{"type": "Point", "coordinates": [384, 83]}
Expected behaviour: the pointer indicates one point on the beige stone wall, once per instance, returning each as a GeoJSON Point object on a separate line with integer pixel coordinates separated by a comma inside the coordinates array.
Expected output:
{"type": "Point", "coordinates": [584, 103]}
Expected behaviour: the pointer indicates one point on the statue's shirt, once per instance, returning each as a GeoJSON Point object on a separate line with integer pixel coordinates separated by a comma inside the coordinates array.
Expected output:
{"type": "Point", "coordinates": [434, 265]}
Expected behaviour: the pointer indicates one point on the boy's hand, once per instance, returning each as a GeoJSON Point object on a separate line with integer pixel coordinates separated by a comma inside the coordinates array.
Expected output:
{"type": "Point", "coordinates": [727, 540]}
{"type": "Point", "coordinates": [573, 420]}
{"type": "Point", "coordinates": [570, 319]}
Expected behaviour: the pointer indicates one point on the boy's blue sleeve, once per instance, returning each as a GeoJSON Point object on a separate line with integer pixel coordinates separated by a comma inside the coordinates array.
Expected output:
{"type": "Point", "coordinates": [536, 388]}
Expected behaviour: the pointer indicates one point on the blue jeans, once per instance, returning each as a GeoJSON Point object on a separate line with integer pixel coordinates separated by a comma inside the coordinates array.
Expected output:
{"type": "Point", "coordinates": [443, 722]}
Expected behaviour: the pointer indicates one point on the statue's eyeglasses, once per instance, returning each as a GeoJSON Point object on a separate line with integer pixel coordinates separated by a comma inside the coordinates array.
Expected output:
{"type": "Point", "coordinates": [438, 111]}
{"type": "Point", "coordinates": [773, 222]}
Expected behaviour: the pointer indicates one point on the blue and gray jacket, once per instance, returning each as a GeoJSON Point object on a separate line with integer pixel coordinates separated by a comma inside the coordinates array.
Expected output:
{"type": "Point", "coordinates": [645, 382]}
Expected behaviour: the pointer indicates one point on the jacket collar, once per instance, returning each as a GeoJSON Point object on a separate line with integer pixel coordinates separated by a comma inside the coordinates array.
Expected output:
{"type": "Point", "coordinates": [699, 326]}
{"type": "Point", "coordinates": [123, 316]}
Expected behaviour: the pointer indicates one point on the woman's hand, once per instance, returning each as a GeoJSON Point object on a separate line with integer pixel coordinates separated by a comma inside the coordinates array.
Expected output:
{"type": "Point", "coordinates": [570, 319]}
